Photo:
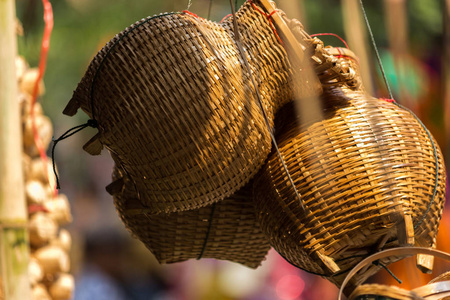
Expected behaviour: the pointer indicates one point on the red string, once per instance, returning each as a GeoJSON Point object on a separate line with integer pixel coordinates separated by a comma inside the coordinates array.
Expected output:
{"type": "Point", "coordinates": [340, 53]}
{"type": "Point", "coordinates": [224, 18]}
{"type": "Point", "coordinates": [191, 13]}
{"type": "Point", "coordinates": [332, 34]}
{"type": "Point", "coordinates": [269, 17]}
{"type": "Point", "coordinates": [388, 100]}
{"type": "Point", "coordinates": [45, 45]}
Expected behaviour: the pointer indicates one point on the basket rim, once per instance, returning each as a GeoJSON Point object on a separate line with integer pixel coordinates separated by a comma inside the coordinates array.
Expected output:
{"type": "Point", "coordinates": [399, 251]}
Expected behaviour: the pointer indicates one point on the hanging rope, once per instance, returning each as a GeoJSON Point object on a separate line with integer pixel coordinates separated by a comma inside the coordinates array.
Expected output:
{"type": "Point", "coordinates": [209, 10]}
{"type": "Point", "coordinates": [90, 123]}
{"type": "Point", "coordinates": [436, 158]}
{"type": "Point", "coordinates": [380, 64]}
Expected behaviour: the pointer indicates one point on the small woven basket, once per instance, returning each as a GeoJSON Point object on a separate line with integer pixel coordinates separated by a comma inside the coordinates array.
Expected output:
{"type": "Point", "coordinates": [438, 288]}
{"type": "Point", "coordinates": [227, 230]}
{"type": "Point", "coordinates": [175, 104]}
{"type": "Point", "coordinates": [435, 291]}
{"type": "Point", "coordinates": [369, 175]}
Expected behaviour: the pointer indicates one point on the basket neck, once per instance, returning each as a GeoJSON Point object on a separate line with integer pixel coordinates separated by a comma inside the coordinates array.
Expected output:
{"type": "Point", "coordinates": [334, 67]}
{"type": "Point", "coordinates": [337, 68]}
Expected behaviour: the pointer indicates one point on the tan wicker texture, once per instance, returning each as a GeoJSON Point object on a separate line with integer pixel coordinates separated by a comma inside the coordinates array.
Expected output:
{"type": "Point", "coordinates": [437, 289]}
{"type": "Point", "coordinates": [368, 174]}
{"type": "Point", "coordinates": [433, 291]}
{"type": "Point", "coordinates": [176, 106]}
{"type": "Point", "coordinates": [377, 291]}
{"type": "Point", "coordinates": [443, 277]}
{"type": "Point", "coordinates": [227, 230]}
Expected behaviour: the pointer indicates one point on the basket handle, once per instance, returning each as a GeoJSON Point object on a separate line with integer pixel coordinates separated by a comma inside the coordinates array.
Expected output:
{"type": "Point", "coordinates": [401, 251]}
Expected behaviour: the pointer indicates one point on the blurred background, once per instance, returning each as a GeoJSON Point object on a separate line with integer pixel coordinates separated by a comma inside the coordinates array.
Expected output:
{"type": "Point", "coordinates": [412, 36]}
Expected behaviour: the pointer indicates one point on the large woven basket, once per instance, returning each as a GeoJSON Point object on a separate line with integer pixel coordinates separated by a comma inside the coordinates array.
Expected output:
{"type": "Point", "coordinates": [369, 175]}
{"type": "Point", "coordinates": [227, 230]}
{"type": "Point", "coordinates": [175, 104]}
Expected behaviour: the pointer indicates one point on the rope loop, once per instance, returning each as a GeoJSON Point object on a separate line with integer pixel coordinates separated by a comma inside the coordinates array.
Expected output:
{"type": "Point", "coordinates": [90, 123]}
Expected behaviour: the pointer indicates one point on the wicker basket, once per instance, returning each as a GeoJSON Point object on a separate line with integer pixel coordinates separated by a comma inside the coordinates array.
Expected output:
{"type": "Point", "coordinates": [227, 230]}
{"type": "Point", "coordinates": [369, 174]}
{"type": "Point", "coordinates": [435, 291]}
{"type": "Point", "coordinates": [438, 288]}
{"type": "Point", "coordinates": [175, 104]}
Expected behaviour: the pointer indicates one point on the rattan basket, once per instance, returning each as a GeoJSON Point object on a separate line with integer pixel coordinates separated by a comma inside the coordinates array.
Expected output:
{"type": "Point", "coordinates": [432, 291]}
{"type": "Point", "coordinates": [369, 174]}
{"type": "Point", "coordinates": [437, 289]}
{"type": "Point", "coordinates": [175, 104]}
{"type": "Point", "coordinates": [226, 230]}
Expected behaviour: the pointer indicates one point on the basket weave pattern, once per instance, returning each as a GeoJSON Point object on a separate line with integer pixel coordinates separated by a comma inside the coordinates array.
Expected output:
{"type": "Point", "coordinates": [359, 171]}
{"type": "Point", "coordinates": [176, 106]}
{"type": "Point", "coordinates": [178, 113]}
{"type": "Point", "coordinates": [227, 230]}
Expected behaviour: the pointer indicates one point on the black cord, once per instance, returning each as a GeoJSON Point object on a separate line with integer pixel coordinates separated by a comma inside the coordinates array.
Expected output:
{"type": "Point", "coordinates": [211, 216]}
{"type": "Point", "coordinates": [90, 123]}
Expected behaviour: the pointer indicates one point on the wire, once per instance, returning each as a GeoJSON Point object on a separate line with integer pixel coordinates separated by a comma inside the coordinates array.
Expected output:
{"type": "Point", "coordinates": [258, 96]}
{"type": "Point", "coordinates": [380, 64]}
{"type": "Point", "coordinates": [209, 9]}
{"type": "Point", "coordinates": [436, 179]}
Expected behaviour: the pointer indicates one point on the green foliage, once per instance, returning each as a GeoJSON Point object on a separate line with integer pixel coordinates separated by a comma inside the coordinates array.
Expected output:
{"type": "Point", "coordinates": [426, 20]}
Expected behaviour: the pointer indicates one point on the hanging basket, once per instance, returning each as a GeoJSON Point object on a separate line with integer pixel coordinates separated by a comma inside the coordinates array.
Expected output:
{"type": "Point", "coordinates": [227, 230]}
{"type": "Point", "coordinates": [438, 288]}
{"type": "Point", "coordinates": [176, 106]}
{"type": "Point", "coordinates": [368, 172]}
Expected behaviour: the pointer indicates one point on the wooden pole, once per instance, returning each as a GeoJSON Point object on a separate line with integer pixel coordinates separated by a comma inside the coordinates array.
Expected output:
{"type": "Point", "coordinates": [14, 249]}
{"type": "Point", "coordinates": [356, 37]}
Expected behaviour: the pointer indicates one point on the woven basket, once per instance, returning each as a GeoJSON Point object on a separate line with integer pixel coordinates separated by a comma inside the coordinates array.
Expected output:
{"type": "Point", "coordinates": [368, 173]}
{"type": "Point", "coordinates": [227, 230]}
{"type": "Point", "coordinates": [175, 104]}
{"type": "Point", "coordinates": [437, 289]}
